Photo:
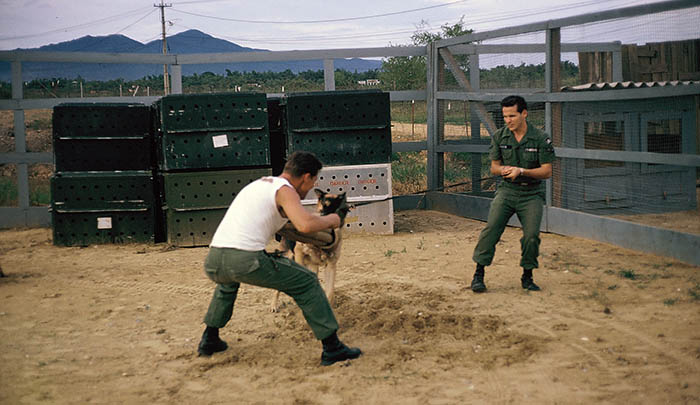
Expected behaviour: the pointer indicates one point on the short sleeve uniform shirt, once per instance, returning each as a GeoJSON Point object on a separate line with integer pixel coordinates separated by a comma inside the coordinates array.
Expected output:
{"type": "Point", "coordinates": [534, 150]}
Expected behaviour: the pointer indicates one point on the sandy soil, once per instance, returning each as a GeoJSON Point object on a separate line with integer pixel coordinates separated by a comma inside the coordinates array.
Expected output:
{"type": "Point", "coordinates": [120, 324]}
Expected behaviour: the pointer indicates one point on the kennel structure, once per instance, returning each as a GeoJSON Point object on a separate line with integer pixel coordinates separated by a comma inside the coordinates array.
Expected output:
{"type": "Point", "coordinates": [350, 132]}
{"type": "Point", "coordinates": [209, 146]}
{"type": "Point", "coordinates": [666, 125]}
{"type": "Point", "coordinates": [368, 189]}
{"type": "Point", "coordinates": [445, 58]}
{"type": "Point", "coordinates": [197, 152]}
{"type": "Point", "coordinates": [102, 190]}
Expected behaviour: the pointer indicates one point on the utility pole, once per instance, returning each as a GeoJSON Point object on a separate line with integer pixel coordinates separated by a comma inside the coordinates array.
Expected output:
{"type": "Point", "coordinates": [166, 82]}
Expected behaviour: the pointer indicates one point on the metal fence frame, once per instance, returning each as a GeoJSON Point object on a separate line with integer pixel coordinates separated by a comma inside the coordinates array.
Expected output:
{"type": "Point", "coordinates": [438, 54]}
{"type": "Point", "coordinates": [679, 245]}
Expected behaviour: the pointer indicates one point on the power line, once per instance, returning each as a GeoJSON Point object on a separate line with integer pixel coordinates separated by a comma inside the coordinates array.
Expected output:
{"type": "Point", "coordinates": [98, 43]}
{"type": "Point", "coordinates": [319, 21]}
{"type": "Point", "coordinates": [73, 27]}
{"type": "Point", "coordinates": [135, 22]}
{"type": "Point", "coordinates": [483, 18]}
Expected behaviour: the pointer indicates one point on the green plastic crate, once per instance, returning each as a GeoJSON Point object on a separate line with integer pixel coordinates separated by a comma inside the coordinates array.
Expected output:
{"type": "Point", "coordinates": [103, 191]}
{"type": "Point", "coordinates": [192, 227]}
{"type": "Point", "coordinates": [340, 127]}
{"type": "Point", "coordinates": [215, 189]}
{"type": "Point", "coordinates": [110, 154]}
{"type": "Point", "coordinates": [103, 207]}
{"type": "Point", "coordinates": [213, 150]}
{"type": "Point", "coordinates": [102, 137]}
{"type": "Point", "coordinates": [101, 120]}
{"type": "Point", "coordinates": [203, 131]}
{"type": "Point", "coordinates": [184, 113]}
{"type": "Point", "coordinates": [85, 227]}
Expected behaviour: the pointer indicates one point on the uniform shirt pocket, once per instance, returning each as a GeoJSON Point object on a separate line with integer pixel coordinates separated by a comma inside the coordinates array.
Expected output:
{"type": "Point", "coordinates": [508, 154]}
{"type": "Point", "coordinates": [531, 158]}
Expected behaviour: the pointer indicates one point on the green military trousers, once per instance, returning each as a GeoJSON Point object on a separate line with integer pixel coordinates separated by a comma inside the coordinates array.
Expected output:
{"type": "Point", "coordinates": [527, 204]}
{"type": "Point", "coordinates": [230, 267]}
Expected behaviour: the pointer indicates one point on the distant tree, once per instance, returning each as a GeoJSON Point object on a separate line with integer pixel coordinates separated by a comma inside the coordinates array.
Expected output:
{"type": "Point", "coordinates": [409, 72]}
{"type": "Point", "coordinates": [403, 73]}
{"type": "Point", "coordinates": [312, 75]}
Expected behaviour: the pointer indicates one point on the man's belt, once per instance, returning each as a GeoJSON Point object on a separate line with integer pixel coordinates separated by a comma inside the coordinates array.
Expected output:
{"type": "Point", "coordinates": [524, 184]}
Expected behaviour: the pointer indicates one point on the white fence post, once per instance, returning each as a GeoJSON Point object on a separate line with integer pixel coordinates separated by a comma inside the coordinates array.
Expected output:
{"type": "Point", "coordinates": [176, 77]}
{"type": "Point", "coordinates": [20, 138]}
{"type": "Point", "coordinates": [328, 75]}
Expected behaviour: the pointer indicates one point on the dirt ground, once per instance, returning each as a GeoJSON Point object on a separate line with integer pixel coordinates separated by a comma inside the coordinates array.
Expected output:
{"type": "Point", "coordinates": [120, 324]}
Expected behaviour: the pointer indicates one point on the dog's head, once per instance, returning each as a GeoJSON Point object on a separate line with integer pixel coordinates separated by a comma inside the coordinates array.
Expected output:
{"type": "Point", "coordinates": [329, 203]}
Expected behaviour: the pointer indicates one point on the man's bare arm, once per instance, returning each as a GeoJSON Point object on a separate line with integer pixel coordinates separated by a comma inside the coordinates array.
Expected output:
{"type": "Point", "coordinates": [303, 221]}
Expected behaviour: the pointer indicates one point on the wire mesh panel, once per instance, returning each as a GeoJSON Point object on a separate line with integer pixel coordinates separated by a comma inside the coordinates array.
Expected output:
{"type": "Point", "coordinates": [340, 127]}
{"type": "Point", "coordinates": [102, 137]}
{"type": "Point", "coordinates": [609, 185]}
{"type": "Point", "coordinates": [213, 131]}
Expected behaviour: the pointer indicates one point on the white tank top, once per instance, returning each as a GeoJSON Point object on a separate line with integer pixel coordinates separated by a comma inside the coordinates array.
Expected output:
{"type": "Point", "coordinates": [253, 218]}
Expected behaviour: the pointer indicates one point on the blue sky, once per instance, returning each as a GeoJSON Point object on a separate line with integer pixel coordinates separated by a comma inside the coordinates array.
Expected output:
{"type": "Point", "coordinates": [304, 24]}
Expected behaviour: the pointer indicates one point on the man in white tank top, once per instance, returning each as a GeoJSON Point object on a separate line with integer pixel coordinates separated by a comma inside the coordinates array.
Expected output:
{"type": "Point", "coordinates": [237, 255]}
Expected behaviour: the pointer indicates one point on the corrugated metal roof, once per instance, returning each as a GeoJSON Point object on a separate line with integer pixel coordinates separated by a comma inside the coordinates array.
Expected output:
{"type": "Point", "coordinates": [626, 85]}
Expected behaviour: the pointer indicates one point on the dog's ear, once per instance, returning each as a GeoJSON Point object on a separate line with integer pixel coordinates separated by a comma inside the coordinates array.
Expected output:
{"type": "Point", "coordinates": [319, 192]}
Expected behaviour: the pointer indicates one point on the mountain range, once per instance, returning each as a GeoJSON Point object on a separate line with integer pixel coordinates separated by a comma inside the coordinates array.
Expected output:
{"type": "Point", "coordinates": [187, 42]}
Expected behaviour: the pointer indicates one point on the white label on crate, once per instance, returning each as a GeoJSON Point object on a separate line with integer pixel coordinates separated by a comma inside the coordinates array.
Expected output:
{"type": "Point", "coordinates": [220, 141]}
{"type": "Point", "coordinates": [104, 223]}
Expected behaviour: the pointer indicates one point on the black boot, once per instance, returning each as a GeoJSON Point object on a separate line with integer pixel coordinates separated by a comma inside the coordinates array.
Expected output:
{"type": "Point", "coordinates": [334, 350]}
{"type": "Point", "coordinates": [211, 343]}
{"type": "Point", "coordinates": [478, 285]}
{"type": "Point", "coordinates": [527, 282]}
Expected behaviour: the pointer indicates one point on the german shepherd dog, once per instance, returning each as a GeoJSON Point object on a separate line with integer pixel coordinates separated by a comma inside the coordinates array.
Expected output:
{"type": "Point", "coordinates": [316, 257]}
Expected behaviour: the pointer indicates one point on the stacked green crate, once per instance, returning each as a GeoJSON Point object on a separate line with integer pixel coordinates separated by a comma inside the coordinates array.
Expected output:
{"type": "Point", "coordinates": [209, 146]}
{"type": "Point", "coordinates": [197, 201]}
{"type": "Point", "coordinates": [102, 207]}
{"type": "Point", "coordinates": [340, 127]}
{"type": "Point", "coordinates": [212, 131]}
{"type": "Point", "coordinates": [103, 189]}
{"type": "Point", "coordinates": [350, 132]}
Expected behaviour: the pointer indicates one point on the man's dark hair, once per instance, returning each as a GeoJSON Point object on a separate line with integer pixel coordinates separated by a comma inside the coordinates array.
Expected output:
{"type": "Point", "coordinates": [514, 100]}
{"type": "Point", "coordinates": [301, 162]}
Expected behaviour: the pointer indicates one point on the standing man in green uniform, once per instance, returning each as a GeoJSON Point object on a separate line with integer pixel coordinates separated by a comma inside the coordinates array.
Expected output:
{"type": "Point", "coordinates": [523, 156]}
